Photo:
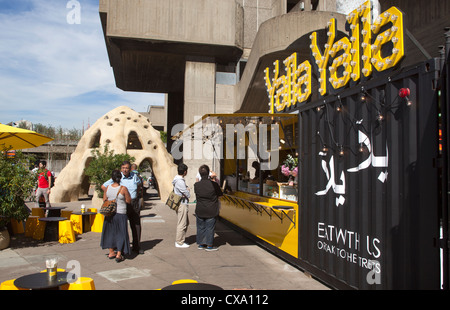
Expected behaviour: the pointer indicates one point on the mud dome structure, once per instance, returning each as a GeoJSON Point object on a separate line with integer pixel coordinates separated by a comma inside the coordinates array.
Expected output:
{"type": "Point", "coordinates": [126, 132]}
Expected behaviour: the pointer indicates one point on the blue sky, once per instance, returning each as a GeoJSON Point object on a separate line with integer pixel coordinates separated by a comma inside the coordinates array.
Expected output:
{"type": "Point", "coordinates": [56, 73]}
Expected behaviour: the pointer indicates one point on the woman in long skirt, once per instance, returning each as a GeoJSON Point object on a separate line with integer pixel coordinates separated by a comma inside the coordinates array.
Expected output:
{"type": "Point", "coordinates": [115, 230]}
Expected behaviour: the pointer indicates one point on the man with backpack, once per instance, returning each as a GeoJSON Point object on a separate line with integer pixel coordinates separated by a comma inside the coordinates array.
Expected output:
{"type": "Point", "coordinates": [44, 177]}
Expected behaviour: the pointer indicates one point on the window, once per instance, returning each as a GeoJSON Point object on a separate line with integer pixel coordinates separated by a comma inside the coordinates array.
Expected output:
{"type": "Point", "coordinates": [133, 142]}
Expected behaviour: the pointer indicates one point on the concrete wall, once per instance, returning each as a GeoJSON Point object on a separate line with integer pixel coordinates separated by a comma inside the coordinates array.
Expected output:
{"type": "Point", "coordinates": [255, 13]}
{"type": "Point", "coordinates": [199, 21]}
{"type": "Point", "coordinates": [225, 97]}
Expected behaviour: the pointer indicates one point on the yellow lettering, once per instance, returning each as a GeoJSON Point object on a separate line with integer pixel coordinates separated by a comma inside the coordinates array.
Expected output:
{"type": "Point", "coordinates": [271, 85]}
{"type": "Point", "coordinates": [366, 18]}
{"type": "Point", "coordinates": [343, 60]}
{"type": "Point", "coordinates": [286, 90]}
{"type": "Point", "coordinates": [349, 61]}
{"type": "Point", "coordinates": [322, 60]}
{"type": "Point", "coordinates": [393, 34]}
{"type": "Point", "coordinates": [353, 20]}
{"type": "Point", "coordinates": [290, 64]}
{"type": "Point", "coordinates": [281, 93]}
{"type": "Point", "coordinates": [302, 88]}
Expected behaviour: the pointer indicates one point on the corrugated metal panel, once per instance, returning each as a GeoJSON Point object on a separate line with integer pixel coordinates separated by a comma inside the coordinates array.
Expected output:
{"type": "Point", "coordinates": [387, 209]}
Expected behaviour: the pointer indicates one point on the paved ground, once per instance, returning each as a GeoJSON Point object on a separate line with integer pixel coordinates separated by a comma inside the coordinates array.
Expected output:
{"type": "Point", "coordinates": [238, 264]}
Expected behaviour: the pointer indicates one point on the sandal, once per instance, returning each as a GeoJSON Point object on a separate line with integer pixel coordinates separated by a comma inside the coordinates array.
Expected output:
{"type": "Point", "coordinates": [120, 259]}
{"type": "Point", "coordinates": [111, 257]}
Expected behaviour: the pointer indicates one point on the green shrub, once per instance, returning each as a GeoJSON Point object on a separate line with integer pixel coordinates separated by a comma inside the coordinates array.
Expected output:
{"type": "Point", "coordinates": [102, 165]}
{"type": "Point", "coordinates": [17, 182]}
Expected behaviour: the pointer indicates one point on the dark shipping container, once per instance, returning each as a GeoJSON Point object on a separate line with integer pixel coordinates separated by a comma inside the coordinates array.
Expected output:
{"type": "Point", "coordinates": [369, 183]}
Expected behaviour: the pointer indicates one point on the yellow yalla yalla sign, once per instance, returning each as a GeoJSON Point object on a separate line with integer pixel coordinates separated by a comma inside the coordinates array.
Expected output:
{"type": "Point", "coordinates": [357, 54]}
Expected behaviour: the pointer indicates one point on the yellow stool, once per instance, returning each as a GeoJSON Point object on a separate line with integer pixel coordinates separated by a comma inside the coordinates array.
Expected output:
{"type": "Point", "coordinates": [57, 270]}
{"type": "Point", "coordinates": [9, 285]}
{"type": "Point", "coordinates": [66, 233]}
{"type": "Point", "coordinates": [38, 233]}
{"type": "Point", "coordinates": [17, 226]}
{"type": "Point", "coordinates": [97, 223]}
{"type": "Point", "coordinates": [30, 225]}
{"type": "Point", "coordinates": [184, 281]}
{"type": "Point", "coordinates": [83, 283]}
{"type": "Point", "coordinates": [92, 216]}
{"type": "Point", "coordinates": [66, 214]}
{"type": "Point", "coordinates": [38, 212]}
{"type": "Point", "coordinates": [77, 223]}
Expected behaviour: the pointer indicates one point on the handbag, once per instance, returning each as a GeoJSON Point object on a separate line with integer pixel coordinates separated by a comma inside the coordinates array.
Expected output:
{"type": "Point", "coordinates": [173, 201]}
{"type": "Point", "coordinates": [109, 207]}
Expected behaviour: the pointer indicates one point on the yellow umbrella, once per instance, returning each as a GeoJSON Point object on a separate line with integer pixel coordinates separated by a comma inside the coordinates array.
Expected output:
{"type": "Point", "coordinates": [12, 138]}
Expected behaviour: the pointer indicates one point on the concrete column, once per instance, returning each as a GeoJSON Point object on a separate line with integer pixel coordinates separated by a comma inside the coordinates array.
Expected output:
{"type": "Point", "coordinates": [199, 94]}
{"type": "Point", "coordinates": [199, 99]}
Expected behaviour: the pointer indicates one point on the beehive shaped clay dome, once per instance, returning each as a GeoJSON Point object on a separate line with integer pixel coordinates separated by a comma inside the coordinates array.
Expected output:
{"type": "Point", "coordinates": [126, 132]}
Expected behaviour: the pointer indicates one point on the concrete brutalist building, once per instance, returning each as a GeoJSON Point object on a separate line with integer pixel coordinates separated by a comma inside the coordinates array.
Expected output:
{"type": "Point", "coordinates": [209, 56]}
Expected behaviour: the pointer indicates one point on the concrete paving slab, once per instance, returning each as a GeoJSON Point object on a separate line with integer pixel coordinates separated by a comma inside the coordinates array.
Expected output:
{"type": "Point", "coordinates": [9, 258]}
{"type": "Point", "coordinates": [124, 274]}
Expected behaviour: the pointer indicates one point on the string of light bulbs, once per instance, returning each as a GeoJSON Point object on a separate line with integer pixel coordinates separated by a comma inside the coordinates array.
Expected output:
{"type": "Point", "coordinates": [402, 99]}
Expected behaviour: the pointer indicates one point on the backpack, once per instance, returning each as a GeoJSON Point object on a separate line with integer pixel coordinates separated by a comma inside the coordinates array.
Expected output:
{"type": "Point", "coordinates": [52, 183]}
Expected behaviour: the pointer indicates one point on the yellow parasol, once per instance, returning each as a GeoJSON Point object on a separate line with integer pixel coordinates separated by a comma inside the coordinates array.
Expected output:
{"type": "Point", "coordinates": [12, 138]}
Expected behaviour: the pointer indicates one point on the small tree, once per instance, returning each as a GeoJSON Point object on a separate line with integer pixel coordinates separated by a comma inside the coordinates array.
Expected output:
{"type": "Point", "coordinates": [102, 165]}
{"type": "Point", "coordinates": [17, 182]}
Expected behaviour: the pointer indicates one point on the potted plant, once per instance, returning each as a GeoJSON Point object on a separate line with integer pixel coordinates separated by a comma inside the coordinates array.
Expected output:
{"type": "Point", "coordinates": [16, 185]}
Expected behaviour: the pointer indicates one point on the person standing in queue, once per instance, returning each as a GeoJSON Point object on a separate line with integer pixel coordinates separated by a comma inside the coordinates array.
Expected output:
{"type": "Point", "coordinates": [132, 183]}
{"type": "Point", "coordinates": [207, 209]}
{"type": "Point", "coordinates": [180, 188]}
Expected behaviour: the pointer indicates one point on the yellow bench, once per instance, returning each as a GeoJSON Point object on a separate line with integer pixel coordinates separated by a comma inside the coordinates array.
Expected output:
{"type": "Point", "coordinates": [38, 212]}
{"type": "Point", "coordinates": [77, 223]}
{"type": "Point", "coordinates": [83, 283]}
{"type": "Point", "coordinates": [184, 281]}
{"type": "Point", "coordinates": [66, 214]}
{"type": "Point", "coordinates": [97, 223]}
{"type": "Point", "coordinates": [39, 230]}
{"type": "Point", "coordinates": [17, 226]}
{"type": "Point", "coordinates": [66, 232]}
{"type": "Point", "coordinates": [57, 270]}
{"type": "Point", "coordinates": [30, 225]}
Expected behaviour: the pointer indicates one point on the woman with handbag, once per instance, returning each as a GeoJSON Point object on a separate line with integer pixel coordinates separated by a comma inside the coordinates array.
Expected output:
{"type": "Point", "coordinates": [115, 226]}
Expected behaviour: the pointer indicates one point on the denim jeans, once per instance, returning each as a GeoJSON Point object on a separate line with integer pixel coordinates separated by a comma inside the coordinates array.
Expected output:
{"type": "Point", "coordinates": [205, 230]}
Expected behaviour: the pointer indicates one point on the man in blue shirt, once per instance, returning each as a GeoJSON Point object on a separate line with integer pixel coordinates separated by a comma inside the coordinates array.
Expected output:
{"type": "Point", "coordinates": [133, 183]}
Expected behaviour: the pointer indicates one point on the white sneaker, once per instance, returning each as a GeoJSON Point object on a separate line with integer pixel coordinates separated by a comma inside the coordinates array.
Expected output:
{"type": "Point", "coordinates": [184, 245]}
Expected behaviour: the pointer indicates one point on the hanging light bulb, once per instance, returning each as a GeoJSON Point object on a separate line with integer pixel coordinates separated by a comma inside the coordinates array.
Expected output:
{"type": "Point", "coordinates": [363, 97]}
{"type": "Point", "coordinates": [341, 151]}
{"type": "Point", "coordinates": [361, 148]}
{"type": "Point", "coordinates": [380, 117]}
